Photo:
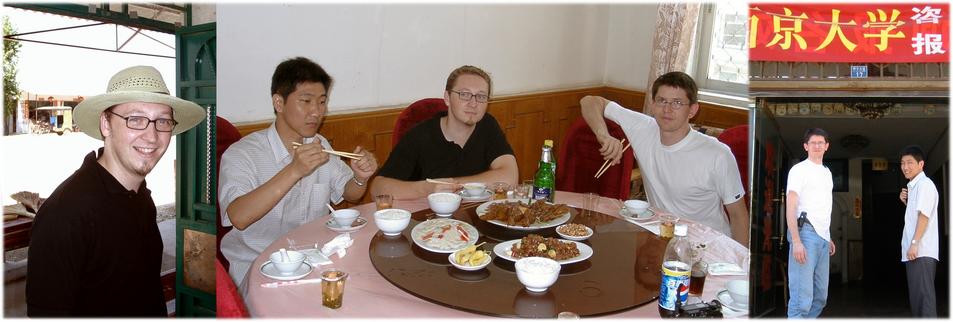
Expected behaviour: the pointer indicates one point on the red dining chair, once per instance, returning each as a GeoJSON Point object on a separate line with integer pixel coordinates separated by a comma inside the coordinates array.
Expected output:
{"type": "Point", "coordinates": [415, 113]}
{"type": "Point", "coordinates": [736, 138]}
{"type": "Point", "coordinates": [579, 159]}
{"type": "Point", "coordinates": [225, 135]}
{"type": "Point", "coordinates": [228, 302]}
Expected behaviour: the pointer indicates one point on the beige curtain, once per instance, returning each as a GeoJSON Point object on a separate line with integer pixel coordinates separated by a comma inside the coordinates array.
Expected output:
{"type": "Point", "coordinates": [674, 28]}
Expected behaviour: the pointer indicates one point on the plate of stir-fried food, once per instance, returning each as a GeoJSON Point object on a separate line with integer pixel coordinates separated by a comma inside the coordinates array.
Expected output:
{"type": "Point", "coordinates": [515, 214]}
{"type": "Point", "coordinates": [560, 250]}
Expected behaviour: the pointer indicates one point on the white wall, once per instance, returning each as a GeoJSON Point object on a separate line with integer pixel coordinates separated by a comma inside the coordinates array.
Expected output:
{"type": "Point", "coordinates": [629, 51]}
{"type": "Point", "coordinates": [392, 55]}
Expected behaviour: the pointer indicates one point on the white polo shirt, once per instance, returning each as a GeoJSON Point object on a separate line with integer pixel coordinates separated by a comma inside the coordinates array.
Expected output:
{"type": "Point", "coordinates": [814, 186]}
{"type": "Point", "coordinates": [693, 178]}
{"type": "Point", "coordinates": [248, 164]}
{"type": "Point", "coordinates": [922, 196]}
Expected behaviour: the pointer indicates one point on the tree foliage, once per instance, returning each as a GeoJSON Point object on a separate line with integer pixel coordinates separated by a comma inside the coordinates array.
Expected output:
{"type": "Point", "coordinates": [11, 88]}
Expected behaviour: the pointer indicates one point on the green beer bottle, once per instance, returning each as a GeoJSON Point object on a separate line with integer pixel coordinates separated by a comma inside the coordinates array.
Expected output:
{"type": "Point", "coordinates": [544, 184]}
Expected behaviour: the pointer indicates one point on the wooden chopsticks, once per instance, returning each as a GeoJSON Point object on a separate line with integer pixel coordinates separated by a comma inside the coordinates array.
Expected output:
{"type": "Point", "coordinates": [348, 155]}
{"type": "Point", "coordinates": [439, 182]}
{"type": "Point", "coordinates": [605, 165]}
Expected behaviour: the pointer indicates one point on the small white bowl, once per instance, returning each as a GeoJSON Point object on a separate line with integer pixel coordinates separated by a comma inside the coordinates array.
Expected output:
{"type": "Point", "coordinates": [537, 273]}
{"type": "Point", "coordinates": [287, 267]}
{"type": "Point", "coordinates": [444, 203]}
{"type": "Point", "coordinates": [486, 261]}
{"type": "Point", "coordinates": [474, 189]}
{"type": "Point", "coordinates": [636, 207]}
{"type": "Point", "coordinates": [392, 221]}
{"type": "Point", "coordinates": [571, 237]}
{"type": "Point", "coordinates": [345, 217]}
{"type": "Point", "coordinates": [738, 290]}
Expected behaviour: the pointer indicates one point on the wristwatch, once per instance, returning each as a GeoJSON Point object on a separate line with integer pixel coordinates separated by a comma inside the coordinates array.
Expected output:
{"type": "Point", "coordinates": [358, 183]}
{"type": "Point", "coordinates": [913, 242]}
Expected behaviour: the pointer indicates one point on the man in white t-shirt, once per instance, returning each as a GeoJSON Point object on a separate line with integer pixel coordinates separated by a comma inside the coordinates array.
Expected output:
{"type": "Point", "coordinates": [920, 246]}
{"type": "Point", "coordinates": [809, 200]}
{"type": "Point", "coordinates": [685, 172]}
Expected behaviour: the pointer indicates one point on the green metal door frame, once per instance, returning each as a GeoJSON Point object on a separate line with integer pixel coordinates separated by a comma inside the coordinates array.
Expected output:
{"type": "Point", "coordinates": [196, 187]}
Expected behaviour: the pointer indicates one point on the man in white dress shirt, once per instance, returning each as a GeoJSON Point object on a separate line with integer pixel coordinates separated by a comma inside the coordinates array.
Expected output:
{"type": "Point", "coordinates": [268, 185]}
{"type": "Point", "coordinates": [920, 245]}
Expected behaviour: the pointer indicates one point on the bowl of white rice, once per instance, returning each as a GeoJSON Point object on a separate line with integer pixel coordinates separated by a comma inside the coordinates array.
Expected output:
{"type": "Point", "coordinates": [444, 203]}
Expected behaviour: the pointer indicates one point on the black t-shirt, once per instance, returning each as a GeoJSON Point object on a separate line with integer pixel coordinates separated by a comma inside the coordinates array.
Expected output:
{"type": "Point", "coordinates": [424, 152]}
{"type": "Point", "coordinates": [95, 249]}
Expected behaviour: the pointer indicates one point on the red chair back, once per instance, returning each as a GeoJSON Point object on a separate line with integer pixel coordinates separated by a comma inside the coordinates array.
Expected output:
{"type": "Point", "coordinates": [736, 138]}
{"type": "Point", "coordinates": [579, 159]}
{"type": "Point", "coordinates": [228, 302]}
{"type": "Point", "coordinates": [225, 135]}
{"type": "Point", "coordinates": [415, 113]}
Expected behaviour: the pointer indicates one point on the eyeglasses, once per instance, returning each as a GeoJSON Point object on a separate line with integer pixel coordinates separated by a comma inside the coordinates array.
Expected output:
{"type": "Point", "coordinates": [480, 98]}
{"type": "Point", "coordinates": [674, 104]}
{"type": "Point", "coordinates": [816, 143]}
{"type": "Point", "coordinates": [142, 122]}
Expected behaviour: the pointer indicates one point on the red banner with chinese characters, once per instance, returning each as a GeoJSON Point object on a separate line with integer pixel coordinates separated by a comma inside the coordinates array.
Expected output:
{"type": "Point", "coordinates": [862, 33]}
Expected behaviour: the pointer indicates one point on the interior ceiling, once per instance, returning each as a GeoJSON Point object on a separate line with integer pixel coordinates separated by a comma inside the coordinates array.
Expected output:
{"type": "Point", "coordinates": [886, 135]}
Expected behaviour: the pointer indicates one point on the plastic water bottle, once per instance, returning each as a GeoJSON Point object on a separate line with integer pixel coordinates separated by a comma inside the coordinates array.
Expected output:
{"type": "Point", "coordinates": [676, 271]}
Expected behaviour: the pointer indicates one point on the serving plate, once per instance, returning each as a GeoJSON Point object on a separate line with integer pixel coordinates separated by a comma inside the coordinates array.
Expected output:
{"type": "Point", "coordinates": [502, 250]}
{"type": "Point", "coordinates": [483, 208]}
{"type": "Point", "coordinates": [437, 235]}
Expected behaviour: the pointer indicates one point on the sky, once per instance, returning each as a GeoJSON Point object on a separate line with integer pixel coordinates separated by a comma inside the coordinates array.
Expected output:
{"type": "Point", "coordinates": [60, 70]}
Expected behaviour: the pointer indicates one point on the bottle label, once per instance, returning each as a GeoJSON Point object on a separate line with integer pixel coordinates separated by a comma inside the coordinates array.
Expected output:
{"type": "Point", "coordinates": [675, 278]}
{"type": "Point", "coordinates": [541, 193]}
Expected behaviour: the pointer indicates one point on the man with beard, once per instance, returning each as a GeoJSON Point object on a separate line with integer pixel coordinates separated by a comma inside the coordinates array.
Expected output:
{"type": "Point", "coordinates": [279, 178]}
{"type": "Point", "coordinates": [463, 144]}
{"type": "Point", "coordinates": [685, 172]}
{"type": "Point", "coordinates": [95, 248]}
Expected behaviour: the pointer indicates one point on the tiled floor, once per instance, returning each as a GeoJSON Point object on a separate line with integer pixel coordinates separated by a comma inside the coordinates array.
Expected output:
{"type": "Point", "coordinates": [857, 301]}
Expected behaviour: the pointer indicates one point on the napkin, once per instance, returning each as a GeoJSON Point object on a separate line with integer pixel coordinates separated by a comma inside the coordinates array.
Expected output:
{"type": "Point", "coordinates": [717, 269]}
{"type": "Point", "coordinates": [337, 245]}
{"type": "Point", "coordinates": [315, 258]}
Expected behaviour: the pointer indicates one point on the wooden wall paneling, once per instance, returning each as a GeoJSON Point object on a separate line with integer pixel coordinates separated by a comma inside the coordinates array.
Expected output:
{"type": "Point", "coordinates": [526, 120]}
{"type": "Point", "coordinates": [720, 116]}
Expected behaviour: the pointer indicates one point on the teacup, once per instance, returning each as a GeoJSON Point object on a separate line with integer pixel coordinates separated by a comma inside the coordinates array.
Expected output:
{"type": "Point", "coordinates": [738, 290]}
{"type": "Point", "coordinates": [287, 266]}
{"type": "Point", "coordinates": [637, 208]}
{"type": "Point", "coordinates": [345, 217]}
{"type": "Point", "coordinates": [474, 189]}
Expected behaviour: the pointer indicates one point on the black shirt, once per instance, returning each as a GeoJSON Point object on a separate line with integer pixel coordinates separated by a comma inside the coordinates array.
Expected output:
{"type": "Point", "coordinates": [95, 249]}
{"type": "Point", "coordinates": [424, 152]}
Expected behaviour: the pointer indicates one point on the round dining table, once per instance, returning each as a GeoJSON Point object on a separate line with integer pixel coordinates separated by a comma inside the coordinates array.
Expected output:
{"type": "Point", "coordinates": [394, 278]}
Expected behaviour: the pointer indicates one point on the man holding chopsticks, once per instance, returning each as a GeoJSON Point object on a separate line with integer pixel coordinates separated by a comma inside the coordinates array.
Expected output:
{"type": "Point", "coordinates": [685, 172]}
{"type": "Point", "coordinates": [276, 179]}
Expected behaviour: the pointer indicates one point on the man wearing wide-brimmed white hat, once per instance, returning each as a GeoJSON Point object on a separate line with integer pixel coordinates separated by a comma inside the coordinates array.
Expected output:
{"type": "Point", "coordinates": [95, 248]}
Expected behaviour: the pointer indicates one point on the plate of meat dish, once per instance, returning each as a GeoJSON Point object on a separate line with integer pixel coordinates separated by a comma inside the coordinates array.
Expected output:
{"type": "Point", "coordinates": [515, 214]}
{"type": "Point", "coordinates": [560, 250]}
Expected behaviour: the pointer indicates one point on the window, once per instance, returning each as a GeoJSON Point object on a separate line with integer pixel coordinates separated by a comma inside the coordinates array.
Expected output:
{"type": "Point", "coordinates": [720, 55]}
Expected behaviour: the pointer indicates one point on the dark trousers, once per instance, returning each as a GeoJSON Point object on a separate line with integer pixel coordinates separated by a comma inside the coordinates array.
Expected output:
{"type": "Point", "coordinates": [920, 276]}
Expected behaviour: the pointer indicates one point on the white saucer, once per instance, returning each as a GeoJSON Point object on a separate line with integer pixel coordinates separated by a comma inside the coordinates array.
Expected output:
{"type": "Point", "coordinates": [627, 215]}
{"type": "Point", "coordinates": [486, 194]}
{"type": "Point", "coordinates": [358, 223]}
{"type": "Point", "coordinates": [271, 272]}
{"type": "Point", "coordinates": [727, 301]}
